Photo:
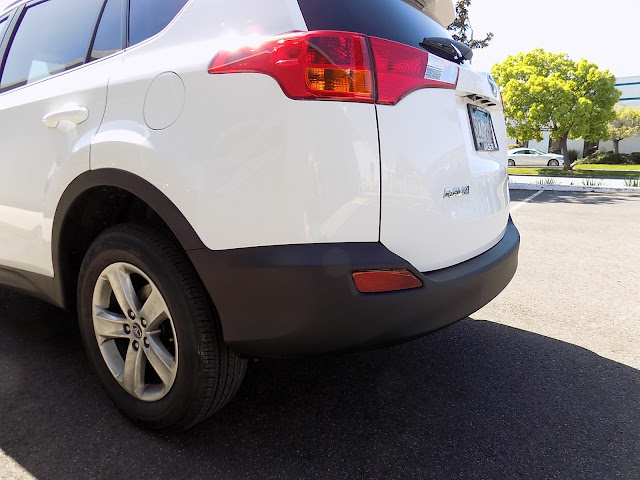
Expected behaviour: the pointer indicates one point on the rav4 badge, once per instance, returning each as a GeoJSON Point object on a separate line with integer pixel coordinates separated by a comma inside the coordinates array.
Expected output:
{"type": "Point", "coordinates": [456, 191]}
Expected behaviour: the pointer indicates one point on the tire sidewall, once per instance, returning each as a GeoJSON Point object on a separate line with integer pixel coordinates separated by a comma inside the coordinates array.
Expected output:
{"type": "Point", "coordinates": [113, 247]}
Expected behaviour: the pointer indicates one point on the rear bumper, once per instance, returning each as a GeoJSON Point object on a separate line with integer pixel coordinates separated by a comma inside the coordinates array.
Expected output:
{"type": "Point", "coordinates": [299, 300]}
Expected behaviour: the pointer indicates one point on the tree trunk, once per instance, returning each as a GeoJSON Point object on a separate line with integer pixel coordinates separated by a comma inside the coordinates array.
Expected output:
{"type": "Point", "coordinates": [565, 151]}
{"type": "Point", "coordinates": [615, 146]}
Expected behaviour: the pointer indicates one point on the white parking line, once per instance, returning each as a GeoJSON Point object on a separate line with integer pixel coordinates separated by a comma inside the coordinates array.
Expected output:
{"type": "Point", "coordinates": [529, 198]}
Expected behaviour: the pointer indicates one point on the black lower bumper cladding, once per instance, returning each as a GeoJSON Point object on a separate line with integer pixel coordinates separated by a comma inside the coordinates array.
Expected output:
{"type": "Point", "coordinates": [299, 300]}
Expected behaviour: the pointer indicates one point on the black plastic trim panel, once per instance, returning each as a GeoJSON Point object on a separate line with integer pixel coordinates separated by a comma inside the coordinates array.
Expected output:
{"type": "Point", "coordinates": [39, 286]}
{"type": "Point", "coordinates": [110, 177]}
{"type": "Point", "coordinates": [299, 300]}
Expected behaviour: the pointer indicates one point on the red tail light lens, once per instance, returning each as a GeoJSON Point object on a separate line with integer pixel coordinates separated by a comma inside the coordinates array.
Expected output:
{"type": "Point", "coordinates": [378, 281]}
{"type": "Point", "coordinates": [341, 66]}
{"type": "Point", "coordinates": [401, 69]}
{"type": "Point", "coordinates": [308, 66]}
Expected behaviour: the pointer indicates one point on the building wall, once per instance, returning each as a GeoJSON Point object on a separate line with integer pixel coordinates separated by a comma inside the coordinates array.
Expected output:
{"type": "Point", "coordinates": [577, 145]}
{"type": "Point", "coordinates": [543, 145]}
{"type": "Point", "coordinates": [628, 145]}
{"type": "Point", "coordinates": [630, 89]}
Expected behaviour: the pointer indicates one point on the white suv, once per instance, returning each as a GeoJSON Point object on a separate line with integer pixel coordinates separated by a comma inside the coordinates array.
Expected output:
{"type": "Point", "coordinates": [208, 181]}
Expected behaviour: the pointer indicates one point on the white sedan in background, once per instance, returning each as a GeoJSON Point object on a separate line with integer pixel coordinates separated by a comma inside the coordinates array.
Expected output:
{"type": "Point", "coordinates": [529, 157]}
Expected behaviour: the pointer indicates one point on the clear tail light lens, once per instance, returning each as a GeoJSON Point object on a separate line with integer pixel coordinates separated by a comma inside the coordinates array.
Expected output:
{"type": "Point", "coordinates": [340, 66]}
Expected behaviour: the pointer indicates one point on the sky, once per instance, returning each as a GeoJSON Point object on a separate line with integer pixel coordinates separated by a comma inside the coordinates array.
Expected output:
{"type": "Point", "coordinates": [603, 32]}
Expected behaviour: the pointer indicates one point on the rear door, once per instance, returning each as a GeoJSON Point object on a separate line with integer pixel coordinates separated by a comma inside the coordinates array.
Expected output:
{"type": "Point", "coordinates": [535, 158]}
{"type": "Point", "coordinates": [53, 90]}
{"type": "Point", "coordinates": [443, 149]}
{"type": "Point", "coordinates": [520, 157]}
{"type": "Point", "coordinates": [528, 158]}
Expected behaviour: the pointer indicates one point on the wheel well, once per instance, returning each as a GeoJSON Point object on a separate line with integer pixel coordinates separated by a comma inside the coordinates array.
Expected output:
{"type": "Point", "coordinates": [91, 213]}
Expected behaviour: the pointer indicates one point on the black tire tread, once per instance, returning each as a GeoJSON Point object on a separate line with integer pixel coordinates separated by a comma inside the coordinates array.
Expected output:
{"type": "Point", "coordinates": [222, 370]}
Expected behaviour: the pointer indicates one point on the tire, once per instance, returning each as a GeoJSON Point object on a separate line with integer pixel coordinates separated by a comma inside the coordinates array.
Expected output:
{"type": "Point", "coordinates": [511, 163]}
{"type": "Point", "coordinates": [553, 163]}
{"type": "Point", "coordinates": [181, 371]}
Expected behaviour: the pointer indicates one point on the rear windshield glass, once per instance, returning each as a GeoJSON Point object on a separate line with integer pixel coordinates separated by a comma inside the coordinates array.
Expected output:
{"type": "Point", "coordinates": [391, 19]}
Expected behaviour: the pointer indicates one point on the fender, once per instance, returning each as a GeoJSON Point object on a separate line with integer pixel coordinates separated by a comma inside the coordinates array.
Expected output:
{"type": "Point", "coordinates": [145, 191]}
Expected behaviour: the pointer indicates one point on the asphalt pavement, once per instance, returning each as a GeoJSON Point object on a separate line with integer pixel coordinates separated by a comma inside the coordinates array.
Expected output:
{"type": "Point", "coordinates": [544, 382]}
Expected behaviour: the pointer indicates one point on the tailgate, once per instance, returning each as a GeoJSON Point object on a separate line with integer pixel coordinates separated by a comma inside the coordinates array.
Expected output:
{"type": "Point", "coordinates": [444, 192]}
{"type": "Point", "coordinates": [443, 200]}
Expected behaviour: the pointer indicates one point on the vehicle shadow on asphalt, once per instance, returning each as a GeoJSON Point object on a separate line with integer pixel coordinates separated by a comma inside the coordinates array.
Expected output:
{"type": "Point", "coordinates": [476, 400]}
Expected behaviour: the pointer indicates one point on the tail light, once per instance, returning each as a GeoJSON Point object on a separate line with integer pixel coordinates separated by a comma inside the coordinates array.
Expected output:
{"type": "Point", "coordinates": [308, 66]}
{"type": "Point", "coordinates": [340, 66]}
{"type": "Point", "coordinates": [401, 69]}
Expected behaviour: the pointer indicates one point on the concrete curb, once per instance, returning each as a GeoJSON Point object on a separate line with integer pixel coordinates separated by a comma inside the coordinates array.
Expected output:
{"type": "Point", "coordinates": [572, 188]}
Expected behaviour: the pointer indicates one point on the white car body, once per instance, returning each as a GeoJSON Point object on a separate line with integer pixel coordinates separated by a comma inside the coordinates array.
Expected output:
{"type": "Point", "coordinates": [264, 175]}
{"type": "Point", "coordinates": [530, 157]}
{"type": "Point", "coordinates": [290, 200]}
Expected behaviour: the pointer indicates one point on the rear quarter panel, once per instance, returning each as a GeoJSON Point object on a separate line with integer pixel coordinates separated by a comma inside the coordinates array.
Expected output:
{"type": "Point", "coordinates": [246, 165]}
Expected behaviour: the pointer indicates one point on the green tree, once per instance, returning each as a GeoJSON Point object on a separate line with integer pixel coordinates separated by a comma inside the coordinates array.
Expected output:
{"type": "Point", "coordinates": [547, 91]}
{"type": "Point", "coordinates": [461, 27]}
{"type": "Point", "coordinates": [625, 125]}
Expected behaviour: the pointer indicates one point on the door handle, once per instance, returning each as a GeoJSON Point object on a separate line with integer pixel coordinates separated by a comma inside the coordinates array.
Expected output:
{"type": "Point", "coordinates": [75, 115]}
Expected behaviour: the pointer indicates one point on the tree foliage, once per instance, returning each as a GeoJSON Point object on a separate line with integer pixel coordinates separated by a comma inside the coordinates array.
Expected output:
{"type": "Point", "coordinates": [625, 125]}
{"type": "Point", "coordinates": [547, 91]}
{"type": "Point", "coordinates": [461, 27]}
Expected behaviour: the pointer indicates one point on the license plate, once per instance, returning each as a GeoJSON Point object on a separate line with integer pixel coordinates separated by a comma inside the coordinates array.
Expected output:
{"type": "Point", "coordinates": [482, 127]}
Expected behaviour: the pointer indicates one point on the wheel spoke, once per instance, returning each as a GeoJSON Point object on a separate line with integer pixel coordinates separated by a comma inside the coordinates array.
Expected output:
{"type": "Point", "coordinates": [133, 374]}
{"type": "Point", "coordinates": [120, 282]}
{"type": "Point", "coordinates": [154, 310]}
{"type": "Point", "coordinates": [108, 325]}
{"type": "Point", "coordinates": [145, 323]}
{"type": "Point", "coordinates": [161, 360]}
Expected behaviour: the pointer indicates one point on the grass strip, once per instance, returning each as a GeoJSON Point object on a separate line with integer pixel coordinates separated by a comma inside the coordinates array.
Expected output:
{"type": "Point", "coordinates": [588, 171]}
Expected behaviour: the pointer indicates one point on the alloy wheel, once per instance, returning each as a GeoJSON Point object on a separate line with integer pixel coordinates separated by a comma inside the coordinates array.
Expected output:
{"type": "Point", "coordinates": [135, 332]}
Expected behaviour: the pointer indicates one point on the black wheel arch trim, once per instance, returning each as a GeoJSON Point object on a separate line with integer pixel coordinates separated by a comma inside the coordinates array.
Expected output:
{"type": "Point", "coordinates": [131, 183]}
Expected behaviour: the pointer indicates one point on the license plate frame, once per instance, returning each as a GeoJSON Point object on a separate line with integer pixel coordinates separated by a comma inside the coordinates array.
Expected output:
{"type": "Point", "coordinates": [484, 135]}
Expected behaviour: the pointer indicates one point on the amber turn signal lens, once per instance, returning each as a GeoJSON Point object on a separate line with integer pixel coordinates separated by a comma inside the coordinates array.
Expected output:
{"type": "Point", "coordinates": [377, 281]}
{"type": "Point", "coordinates": [339, 81]}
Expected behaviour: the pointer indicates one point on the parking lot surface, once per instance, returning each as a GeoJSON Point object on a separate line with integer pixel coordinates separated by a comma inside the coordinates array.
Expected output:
{"type": "Point", "coordinates": [544, 382]}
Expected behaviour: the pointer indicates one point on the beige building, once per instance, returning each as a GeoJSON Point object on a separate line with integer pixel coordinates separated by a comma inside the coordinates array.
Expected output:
{"type": "Point", "coordinates": [630, 88]}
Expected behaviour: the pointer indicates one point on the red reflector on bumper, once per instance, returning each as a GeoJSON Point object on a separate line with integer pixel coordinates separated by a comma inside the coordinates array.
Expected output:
{"type": "Point", "coordinates": [376, 281]}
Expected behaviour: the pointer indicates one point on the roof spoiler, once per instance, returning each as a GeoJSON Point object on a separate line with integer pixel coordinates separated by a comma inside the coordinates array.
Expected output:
{"type": "Point", "coordinates": [442, 11]}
